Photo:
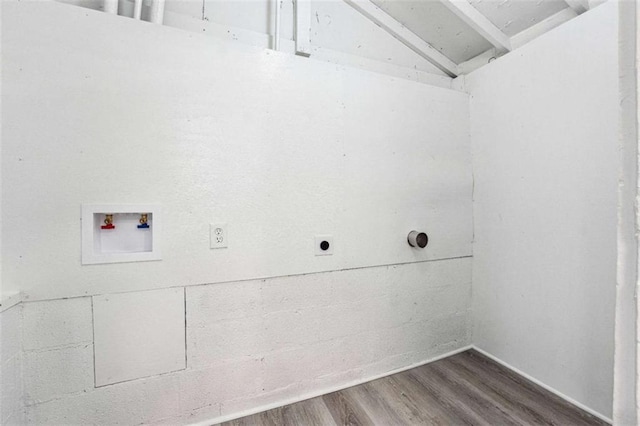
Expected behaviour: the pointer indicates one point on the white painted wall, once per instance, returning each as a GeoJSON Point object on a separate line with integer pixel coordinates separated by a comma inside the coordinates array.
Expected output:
{"type": "Point", "coordinates": [544, 127]}
{"type": "Point", "coordinates": [138, 334]}
{"type": "Point", "coordinates": [11, 359]}
{"type": "Point", "coordinates": [280, 148]}
{"type": "Point", "coordinates": [339, 34]}
{"type": "Point", "coordinates": [252, 344]}
{"type": "Point", "coordinates": [104, 109]}
{"type": "Point", "coordinates": [337, 26]}
{"type": "Point", "coordinates": [625, 395]}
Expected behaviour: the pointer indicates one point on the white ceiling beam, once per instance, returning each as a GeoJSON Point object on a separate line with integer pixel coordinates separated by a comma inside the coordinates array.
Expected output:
{"type": "Point", "coordinates": [542, 27]}
{"type": "Point", "coordinates": [595, 3]}
{"type": "Point", "coordinates": [480, 60]}
{"type": "Point", "coordinates": [480, 24]}
{"type": "Point", "coordinates": [303, 27]}
{"type": "Point", "coordinates": [578, 6]}
{"type": "Point", "coordinates": [403, 34]}
{"type": "Point", "coordinates": [111, 6]}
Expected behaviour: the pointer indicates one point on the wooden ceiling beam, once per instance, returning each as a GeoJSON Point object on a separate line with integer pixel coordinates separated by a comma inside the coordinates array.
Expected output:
{"type": "Point", "coordinates": [542, 27]}
{"type": "Point", "coordinates": [479, 23]}
{"type": "Point", "coordinates": [578, 6]}
{"type": "Point", "coordinates": [403, 34]}
{"type": "Point", "coordinates": [303, 27]}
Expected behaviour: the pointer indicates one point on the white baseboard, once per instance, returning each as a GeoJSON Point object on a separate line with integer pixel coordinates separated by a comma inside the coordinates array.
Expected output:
{"type": "Point", "coordinates": [315, 394]}
{"type": "Point", "coordinates": [543, 385]}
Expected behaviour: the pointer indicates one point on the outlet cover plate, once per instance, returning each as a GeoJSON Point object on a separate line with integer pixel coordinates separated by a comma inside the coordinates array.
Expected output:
{"type": "Point", "coordinates": [218, 235]}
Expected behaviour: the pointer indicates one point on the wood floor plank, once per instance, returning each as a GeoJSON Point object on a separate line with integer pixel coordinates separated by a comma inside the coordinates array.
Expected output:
{"type": "Point", "coordinates": [345, 410]}
{"type": "Point", "coordinates": [472, 407]}
{"type": "Point", "coordinates": [309, 412]}
{"type": "Point", "coordinates": [481, 402]}
{"type": "Point", "coordinates": [378, 404]}
{"type": "Point", "coordinates": [397, 400]}
{"type": "Point", "coordinates": [524, 394]}
{"type": "Point", "coordinates": [464, 389]}
{"type": "Point", "coordinates": [508, 400]}
{"type": "Point", "coordinates": [429, 404]}
{"type": "Point", "coordinates": [440, 390]}
{"type": "Point", "coordinates": [544, 399]}
{"type": "Point", "coordinates": [421, 405]}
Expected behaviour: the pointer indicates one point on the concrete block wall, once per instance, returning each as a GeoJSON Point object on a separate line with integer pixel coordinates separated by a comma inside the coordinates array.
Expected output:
{"type": "Point", "coordinates": [254, 343]}
{"type": "Point", "coordinates": [11, 358]}
{"type": "Point", "coordinates": [58, 349]}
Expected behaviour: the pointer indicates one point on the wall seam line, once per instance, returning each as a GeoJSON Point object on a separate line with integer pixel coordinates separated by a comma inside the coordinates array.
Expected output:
{"type": "Point", "coordinates": [268, 277]}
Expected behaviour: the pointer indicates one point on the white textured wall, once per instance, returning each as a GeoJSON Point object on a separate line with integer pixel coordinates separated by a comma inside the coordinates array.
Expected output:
{"type": "Point", "coordinates": [11, 359]}
{"type": "Point", "coordinates": [544, 127]}
{"type": "Point", "coordinates": [103, 109]}
{"type": "Point", "coordinates": [254, 343]}
{"type": "Point", "coordinates": [625, 401]}
{"type": "Point", "coordinates": [333, 26]}
{"type": "Point", "coordinates": [278, 147]}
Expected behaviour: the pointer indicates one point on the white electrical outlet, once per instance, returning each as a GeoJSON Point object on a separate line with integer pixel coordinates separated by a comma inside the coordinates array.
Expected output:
{"type": "Point", "coordinates": [324, 245]}
{"type": "Point", "coordinates": [218, 235]}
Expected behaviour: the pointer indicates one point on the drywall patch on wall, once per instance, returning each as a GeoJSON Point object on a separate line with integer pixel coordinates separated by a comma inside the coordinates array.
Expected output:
{"type": "Point", "coordinates": [545, 157]}
{"type": "Point", "coordinates": [279, 147]}
{"type": "Point", "coordinates": [11, 382]}
{"type": "Point", "coordinates": [257, 342]}
{"type": "Point", "coordinates": [138, 334]}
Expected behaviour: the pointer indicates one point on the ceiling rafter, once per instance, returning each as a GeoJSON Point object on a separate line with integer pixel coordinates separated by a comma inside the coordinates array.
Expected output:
{"type": "Point", "coordinates": [521, 38]}
{"type": "Point", "coordinates": [480, 60]}
{"type": "Point", "coordinates": [578, 6]}
{"type": "Point", "coordinates": [595, 3]}
{"type": "Point", "coordinates": [542, 27]}
{"type": "Point", "coordinates": [479, 23]}
{"type": "Point", "coordinates": [403, 34]}
{"type": "Point", "coordinates": [303, 27]}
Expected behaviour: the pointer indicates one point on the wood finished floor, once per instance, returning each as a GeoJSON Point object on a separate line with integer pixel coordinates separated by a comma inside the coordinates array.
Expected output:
{"type": "Point", "coordinates": [464, 389]}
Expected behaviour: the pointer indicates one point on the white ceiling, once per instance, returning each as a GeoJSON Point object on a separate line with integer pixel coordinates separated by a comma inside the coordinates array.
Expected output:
{"type": "Point", "coordinates": [514, 16]}
{"type": "Point", "coordinates": [441, 37]}
{"type": "Point", "coordinates": [435, 23]}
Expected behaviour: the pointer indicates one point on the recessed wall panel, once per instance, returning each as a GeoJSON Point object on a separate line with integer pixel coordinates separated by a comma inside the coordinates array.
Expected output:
{"type": "Point", "coordinates": [138, 334]}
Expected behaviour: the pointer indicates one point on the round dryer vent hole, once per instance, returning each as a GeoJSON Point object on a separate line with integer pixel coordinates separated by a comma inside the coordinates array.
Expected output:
{"type": "Point", "coordinates": [418, 239]}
